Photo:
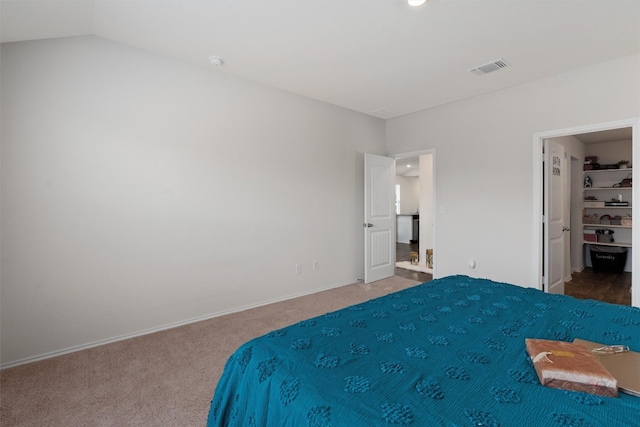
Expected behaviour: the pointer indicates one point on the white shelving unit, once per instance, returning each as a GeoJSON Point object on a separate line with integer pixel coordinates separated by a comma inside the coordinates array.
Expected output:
{"type": "Point", "coordinates": [603, 190]}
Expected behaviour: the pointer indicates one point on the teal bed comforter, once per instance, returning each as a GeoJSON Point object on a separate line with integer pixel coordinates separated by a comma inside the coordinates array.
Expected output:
{"type": "Point", "coordinates": [450, 352]}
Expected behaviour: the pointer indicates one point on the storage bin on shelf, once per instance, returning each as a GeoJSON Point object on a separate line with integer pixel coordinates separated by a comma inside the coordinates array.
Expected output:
{"type": "Point", "coordinates": [605, 219]}
{"type": "Point", "coordinates": [604, 235]}
{"type": "Point", "coordinates": [604, 238]}
{"type": "Point", "coordinates": [590, 236]}
{"type": "Point", "coordinates": [626, 220]}
{"type": "Point", "coordinates": [593, 204]}
{"type": "Point", "coordinates": [591, 219]}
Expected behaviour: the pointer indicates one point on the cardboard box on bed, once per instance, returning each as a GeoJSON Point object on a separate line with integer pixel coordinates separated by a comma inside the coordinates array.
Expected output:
{"type": "Point", "coordinates": [624, 366]}
{"type": "Point", "coordinates": [569, 366]}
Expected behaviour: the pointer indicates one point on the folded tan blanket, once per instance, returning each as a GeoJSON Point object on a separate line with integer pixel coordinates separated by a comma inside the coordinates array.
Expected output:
{"type": "Point", "coordinates": [570, 366]}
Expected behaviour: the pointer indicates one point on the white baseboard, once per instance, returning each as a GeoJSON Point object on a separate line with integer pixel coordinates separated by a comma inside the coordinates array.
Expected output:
{"type": "Point", "coordinates": [165, 327]}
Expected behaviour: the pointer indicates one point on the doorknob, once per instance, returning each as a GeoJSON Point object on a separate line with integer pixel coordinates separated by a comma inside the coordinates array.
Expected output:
{"type": "Point", "coordinates": [566, 228]}
{"type": "Point", "coordinates": [367, 224]}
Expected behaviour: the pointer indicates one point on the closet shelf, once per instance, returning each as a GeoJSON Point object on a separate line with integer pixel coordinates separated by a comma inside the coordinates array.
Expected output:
{"type": "Point", "coordinates": [603, 181]}
{"type": "Point", "coordinates": [606, 226]}
{"type": "Point", "coordinates": [607, 207]}
{"type": "Point", "coordinates": [620, 244]}
{"type": "Point", "coordinates": [607, 188]}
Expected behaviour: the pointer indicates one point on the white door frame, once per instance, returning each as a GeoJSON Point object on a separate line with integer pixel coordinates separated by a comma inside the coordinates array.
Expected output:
{"type": "Point", "coordinates": [419, 153]}
{"type": "Point", "coordinates": [538, 140]}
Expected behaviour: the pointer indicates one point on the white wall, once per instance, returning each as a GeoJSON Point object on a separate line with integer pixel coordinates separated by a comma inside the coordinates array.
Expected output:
{"type": "Point", "coordinates": [426, 205]}
{"type": "Point", "coordinates": [140, 192]}
{"type": "Point", "coordinates": [484, 163]}
{"type": "Point", "coordinates": [409, 194]}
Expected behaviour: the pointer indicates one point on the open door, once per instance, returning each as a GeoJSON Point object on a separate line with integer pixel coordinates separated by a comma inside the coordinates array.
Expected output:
{"type": "Point", "coordinates": [553, 217]}
{"type": "Point", "coordinates": [379, 217]}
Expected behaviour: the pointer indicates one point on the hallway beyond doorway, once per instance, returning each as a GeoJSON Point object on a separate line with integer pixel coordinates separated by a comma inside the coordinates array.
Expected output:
{"type": "Point", "coordinates": [402, 254]}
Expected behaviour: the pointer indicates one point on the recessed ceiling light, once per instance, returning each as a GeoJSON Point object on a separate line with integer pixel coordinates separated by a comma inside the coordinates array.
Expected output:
{"type": "Point", "coordinates": [216, 60]}
{"type": "Point", "coordinates": [416, 2]}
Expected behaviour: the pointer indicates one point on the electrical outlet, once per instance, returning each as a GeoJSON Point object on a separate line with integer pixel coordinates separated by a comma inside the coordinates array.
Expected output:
{"type": "Point", "coordinates": [298, 268]}
{"type": "Point", "coordinates": [316, 264]}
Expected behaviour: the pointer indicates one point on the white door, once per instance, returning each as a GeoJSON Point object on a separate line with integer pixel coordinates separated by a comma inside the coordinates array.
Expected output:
{"type": "Point", "coordinates": [379, 217]}
{"type": "Point", "coordinates": [553, 217]}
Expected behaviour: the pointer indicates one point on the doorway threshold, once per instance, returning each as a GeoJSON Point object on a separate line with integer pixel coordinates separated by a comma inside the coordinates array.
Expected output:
{"type": "Point", "coordinates": [414, 267]}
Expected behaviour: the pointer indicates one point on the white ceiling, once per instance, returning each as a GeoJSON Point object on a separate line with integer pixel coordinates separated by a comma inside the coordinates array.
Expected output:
{"type": "Point", "coordinates": [409, 166]}
{"type": "Point", "coordinates": [622, 134]}
{"type": "Point", "coordinates": [379, 57]}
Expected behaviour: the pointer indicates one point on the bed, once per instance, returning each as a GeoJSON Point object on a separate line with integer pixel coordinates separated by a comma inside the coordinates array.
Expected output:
{"type": "Point", "coordinates": [450, 352]}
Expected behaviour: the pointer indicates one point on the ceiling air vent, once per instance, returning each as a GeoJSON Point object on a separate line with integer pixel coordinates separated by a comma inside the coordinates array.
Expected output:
{"type": "Point", "coordinates": [489, 67]}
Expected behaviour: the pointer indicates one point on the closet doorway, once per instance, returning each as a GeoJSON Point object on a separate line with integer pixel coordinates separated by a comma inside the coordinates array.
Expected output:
{"type": "Point", "coordinates": [610, 143]}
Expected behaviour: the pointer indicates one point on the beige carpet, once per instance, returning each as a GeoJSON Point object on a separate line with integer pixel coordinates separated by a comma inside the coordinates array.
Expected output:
{"type": "Point", "coordinates": [162, 379]}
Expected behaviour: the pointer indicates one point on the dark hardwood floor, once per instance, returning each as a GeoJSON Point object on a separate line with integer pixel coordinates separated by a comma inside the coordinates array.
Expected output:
{"type": "Point", "coordinates": [614, 288]}
{"type": "Point", "coordinates": [601, 286]}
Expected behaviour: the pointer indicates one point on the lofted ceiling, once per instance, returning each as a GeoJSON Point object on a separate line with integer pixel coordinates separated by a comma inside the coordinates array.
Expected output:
{"type": "Point", "coordinates": [378, 57]}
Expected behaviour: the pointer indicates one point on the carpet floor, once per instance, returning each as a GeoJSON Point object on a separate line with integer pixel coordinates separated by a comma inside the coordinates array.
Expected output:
{"type": "Point", "coordinates": [161, 379]}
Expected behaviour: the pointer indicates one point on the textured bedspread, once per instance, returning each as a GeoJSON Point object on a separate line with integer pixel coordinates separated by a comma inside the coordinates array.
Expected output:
{"type": "Point", "coordinates": [450, 352]}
